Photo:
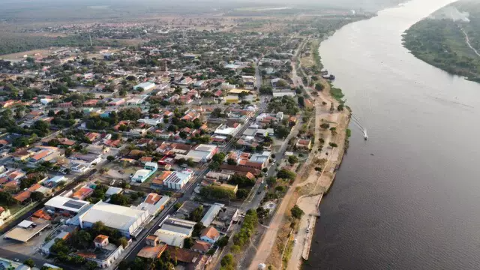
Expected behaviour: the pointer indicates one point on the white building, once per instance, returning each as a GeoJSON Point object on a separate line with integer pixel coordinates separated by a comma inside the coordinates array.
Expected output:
{"type": "Point", "coordinates": [177, 180]}
{"type": "Point", "coordinates": [226, 130]}
{"type": "Point", "coordinates": [173, 231]}
{"type": "Point", "coordinates": [127, 220]}
{"type": "Point", "coordinates": [154, 203]}
{"type": "Point", "coordinates": [141, 175]}
{"type": "Point", "coordinates": [65, 204]}
{"type": "Point", "coordinates": [146, 86]}
{"type": "Point", "coordinates": [202, 153]}
{"type": "Point", "coordinates": [211, 214]}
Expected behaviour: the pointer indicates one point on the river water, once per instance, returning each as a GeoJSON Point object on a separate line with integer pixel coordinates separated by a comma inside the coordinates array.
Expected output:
{"type": "Point", "coordinates": [409, 197]}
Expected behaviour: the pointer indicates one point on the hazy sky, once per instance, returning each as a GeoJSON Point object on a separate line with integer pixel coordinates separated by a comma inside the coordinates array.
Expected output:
{"type": "Point", "coordinates": [354, 4]}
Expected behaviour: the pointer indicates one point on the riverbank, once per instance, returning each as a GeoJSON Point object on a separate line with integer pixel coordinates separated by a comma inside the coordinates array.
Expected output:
{"type": "Point", "coordinates": [278, 248]}
{"type": "Point", "coordinates": [447, 42]}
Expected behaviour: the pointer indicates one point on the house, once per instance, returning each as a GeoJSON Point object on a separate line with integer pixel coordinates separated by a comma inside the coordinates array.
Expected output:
{"type": "Point", "coordinates": [201, 153]}
{"type": "Point", "coordinates": [188, 259]}
{"type": "Point", "coordinates": [55, 181]}
{"type": "Point", "coordinates": [153, 249]}
{"type": "Point", "coordinates": [82, 193]}
{"type": "Point", "coordinates": [201, 247]}
{"type": "Point", "coordinates": [211, 214]}
{"type": "Point", "coordinates": [146, 86]}
{"type": "Point", "coordinates": [4, 215]}
{"type": "Point", "coordinates": [210, 235]}
{"type": "Point", "coordinates": [303, 145]}
{"type": "Point", "coordinates": [174, 180]}
{"type": "Point", "coordinates": [142, 175]}
{"type": "Point", "coordinates": [154, 203]}
{"type": "Point", "coordinates": [60, 204]}
{"type": "Point", "coordinates": [173, 231]}
{"type": "Point", "coordinates": [128, 221]}
{"type": "Point", "coordinates": [104, 254]}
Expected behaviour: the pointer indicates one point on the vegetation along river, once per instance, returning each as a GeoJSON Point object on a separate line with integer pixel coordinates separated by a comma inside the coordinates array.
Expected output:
{"type": "Point", "coordinates": [408, 198]}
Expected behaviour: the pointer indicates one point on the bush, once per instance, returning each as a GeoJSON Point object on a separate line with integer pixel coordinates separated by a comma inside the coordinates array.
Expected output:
{"type": "Point", "coordinates": [297, 212]}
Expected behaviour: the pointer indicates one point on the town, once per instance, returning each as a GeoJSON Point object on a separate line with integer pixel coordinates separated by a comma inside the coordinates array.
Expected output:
{"type": "Point", "coordinates": [167, 154]}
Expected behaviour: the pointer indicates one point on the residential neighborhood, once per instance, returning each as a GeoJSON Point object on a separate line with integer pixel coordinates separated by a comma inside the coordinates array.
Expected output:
{"type": "Point", "coordinates": [147, 152]}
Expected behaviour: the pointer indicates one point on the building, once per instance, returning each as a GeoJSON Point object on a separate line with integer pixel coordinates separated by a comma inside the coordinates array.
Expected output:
{"type": "Point", "coordinates": [173, 231]}
{"type": "Point", "coordinates": [127, 220]}
{"type": "Point", "coordinates": [201, 247]}
{"type": "Point", "coordinates": [210, 235]}
{"type": "Point", "coordinates": [304, 145]}
{"type": "Point", "coordinates": [82, 193]}
{"type": "Point", "coordinates": [211, 214]}
{"type": "Point", "coordinates": [66, 205]}
{"type": "Point", "coordinates": [146, 86]}
{"type": "Point", "coordinates": [201, 153]}
{"type": "Point", "coordinates": [188, 259]}
{"type": "Point", "coordinates": [46, 248]}
{"type": "Point", "coordinates": [54, 181]}
{"type": "Point", "coordinates": [154, 203]}
{"type": "Point", "coordinates": [141, 175]}
{"type": "Point", "coordinates": [4, 215]}
{"type": "Point", "coordinates": [104, 254]}
{"type": "Point", "coordinates": [153, 248]}
{"type": "Point", "coordinates": [177, 180]}
{"type": "Point", "coordinates": [26, 230]}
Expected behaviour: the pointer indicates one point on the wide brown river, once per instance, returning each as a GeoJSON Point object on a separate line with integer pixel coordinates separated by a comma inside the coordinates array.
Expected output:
{"type": "Point", "coordinates": [409, 197]}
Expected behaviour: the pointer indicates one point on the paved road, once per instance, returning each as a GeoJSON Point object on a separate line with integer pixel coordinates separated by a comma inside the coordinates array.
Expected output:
{"type": "Point", "coordinates": [188, 192]}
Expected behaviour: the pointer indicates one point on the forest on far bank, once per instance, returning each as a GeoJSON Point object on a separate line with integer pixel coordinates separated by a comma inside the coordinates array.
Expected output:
{"type": "Point", "coordinates": [440, 39]}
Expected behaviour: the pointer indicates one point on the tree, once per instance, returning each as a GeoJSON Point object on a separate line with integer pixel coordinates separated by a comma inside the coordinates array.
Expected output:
{"type": "Point", "coordinates": [177, 206]}
{"type": "Point", "coordinates": [286, 174]}
{"type": "Point", "coordinates": [197, 214]}
{"type": "Point", "coordinates": [282, 131]}
{"type": "Point", "coordinates": [292, 159]}
{"type": "Point", "coordinates": [81, 239]}
{"type": "Point", "coordinates": [188, 243]}
{"type": "Point", "coordinates": [37, 196]}
{"type": "Point", "coordinates": [324, 125]}
{"type": "Point", "coordinates": [271, 181]}
{"type": "Point", "coordinates": [119, 199]}
{"type": "Point", "coordinates": [29, 262]}
{"type": "Point", "coordinates": [110, 158]}
{"type": "Point", "coordinates": [297, 212]}
{"type": "Point", "coordinates": [227, 260]}
{"type": "Point", "coordinates": [333, 145]}
{"type": "Point", "coordinates": [222, 242]}
{"type": "Point", "coordinates": [91, 265]}
{"type": "Point", "coordinates": [219, 157]}
{"type": "Point", "coordinates": [123, 241]}
{"type": "Point", "coordinates": [319, 87]}
{"type": "Point", "coordinates": [231, 161]}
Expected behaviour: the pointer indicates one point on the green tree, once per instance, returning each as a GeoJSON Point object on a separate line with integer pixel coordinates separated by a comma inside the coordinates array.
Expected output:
{"type": "Point", "coordinates": [286, 174]}
{"type": "Point", "coordinates": [188, 243]}
{"type": "Point", "coordinates": [292, 159]}
{"type": "Point", "coordinates": [29, 262]}
{"type": "Point", "coordinates": [297, 212]}
{"type": "Point", "coordinates": [110, 158]}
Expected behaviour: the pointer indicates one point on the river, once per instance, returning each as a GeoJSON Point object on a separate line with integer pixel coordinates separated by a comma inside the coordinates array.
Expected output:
{"type": "Point", "coordinates": [409, 197]}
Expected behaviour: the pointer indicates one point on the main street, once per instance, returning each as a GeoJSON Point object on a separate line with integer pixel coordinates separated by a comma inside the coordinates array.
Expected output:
{"type": "Point", "coordinates": [138, 244]}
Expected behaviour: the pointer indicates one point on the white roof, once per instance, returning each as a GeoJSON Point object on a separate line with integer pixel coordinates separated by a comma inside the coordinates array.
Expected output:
{"type": "Point", "coordinates": [113, 190]}
{"type": "Point", "coordinates": [25, 224]}
{"type": "Point", "coordinates": [65, 203]}
{"type": "Point", "coordinates": [113, 216]}
{"type": "Point", "coordinates": [211, 214]}
{"type": "Point", "coordinates": [141, 173]}
{"type": "Point", "coordinates": [171, 239]}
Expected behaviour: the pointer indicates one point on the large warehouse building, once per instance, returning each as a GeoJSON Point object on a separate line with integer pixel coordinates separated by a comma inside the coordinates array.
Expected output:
{"type": "Point", "coordinates": [127, 220]}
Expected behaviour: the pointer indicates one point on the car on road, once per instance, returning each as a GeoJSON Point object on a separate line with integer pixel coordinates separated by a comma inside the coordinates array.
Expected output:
{"type": "Point", "coordinates": [16, 259]}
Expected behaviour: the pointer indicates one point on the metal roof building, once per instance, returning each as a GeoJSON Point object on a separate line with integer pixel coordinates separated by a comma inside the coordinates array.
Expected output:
{"type": "Point", "coordinates": [127, 220]}
{"type": "Point", "coordinates": [60, 203]}
{"type": "Point", "coordinates": [211, 214]}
